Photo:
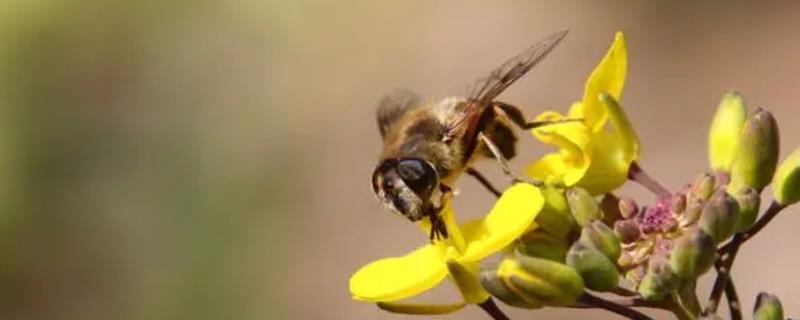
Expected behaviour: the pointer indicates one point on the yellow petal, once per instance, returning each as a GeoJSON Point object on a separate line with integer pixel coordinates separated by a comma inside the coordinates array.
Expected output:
{"type": "Point", "coordinates": [512, 214]}
{"type": "Point", "coordinates": [569, 164]}
{"type": "Point", "coordinates": [610, 164]}
{"type": "Point", "coordinates": [398, 278]}
{"type": "Point", "coordinates": [622, 127]}
{"type": "Point", "coordinates": [420, 308]}
{"type": "Point", "coordinates": [608, 76]}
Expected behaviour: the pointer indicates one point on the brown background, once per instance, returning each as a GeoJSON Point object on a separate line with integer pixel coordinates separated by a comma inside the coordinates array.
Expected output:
{"type": "Point", "coordinates": [209, 160]}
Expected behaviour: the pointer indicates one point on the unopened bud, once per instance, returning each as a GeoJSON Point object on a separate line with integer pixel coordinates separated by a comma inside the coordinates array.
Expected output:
{"type": "Point", "coordinates": [628, 208]}
{"type": "Point", "coordinates": [720, 216]}
{"type": "Point", "coordinates": [704, 186]}
{"type": "Point", "coordinates": [627, 230]}
{"type": "Point", "coordinates": [596, 270]}
{"type": "Point", "coordinates": [694, 253]}
{"type": "Point", "coordinates": [491, 281]}
{"type": "Point", "coordinates": [678, 203]}
{"type": "Point", "coordinates": [767, 307]}
{"type": "Point", "coordinates": [724, 136]}
{"type": "Point", "coordinates": [552, 283]}
{"type": "Point", "coordinates": [659, 281]}
{"type": "Point", "coordinates": [598, 235]}
{"type": "Point", "coordinates": [749, 202]}
{"type": "Point", "coordinates": [694, 207]}
{"type": "Point", "coordinates": [583, 206]}
{"type": "Point", "coordinates": [757, 154]}
{"type": "Point", "coordinates": [555, 217]}
{"type": "Point", "coordinates": [540, 244]}
{"type": "Point", "coordinates": [787, 180]}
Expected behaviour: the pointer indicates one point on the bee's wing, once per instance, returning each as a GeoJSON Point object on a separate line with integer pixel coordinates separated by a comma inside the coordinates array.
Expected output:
{"type": "Point", "coordinates": [472, 117]}
{"type": "Point", "coordinates": [393, 105]}
{"type": "Point", "coordinates": [486, 89]}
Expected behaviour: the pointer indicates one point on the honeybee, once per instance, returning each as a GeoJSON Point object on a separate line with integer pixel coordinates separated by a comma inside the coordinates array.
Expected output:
{"type": "Point", "coordinates": [427, 146]}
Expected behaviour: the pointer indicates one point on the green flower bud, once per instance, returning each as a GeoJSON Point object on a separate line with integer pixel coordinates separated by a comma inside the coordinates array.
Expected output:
{"type": "Point", "coordinates": [540, 244]}
{"type": "Point", "coordinates": [678, 203]}
{"type": "Point", "coordinates": [552, 283]}
{"type": "Point", "coordinates": [704, 186]}
{"type": "Point", "coordinates": [627, 230]}
{"type": "Point", "coordinates": [694, 253]}
{"type": "Point", "coordinates": [767, 307]}
{"type": "Point", "coordinates": [659, 281]}
{"type": "Point", "coordinates": [720, 216]}
{"type": "Point", "coordinates": [597, 271]}
{"type": "Point", "coordinates": [787, 180]}
{"type": "Point", "coordinates": [555, 217]}
{"type": "Point", "coordinates": [749, 202]}
{"type": "Point", "coordinates": [628, 208]}
{"type": "Point", "coordinates": [757, 154]}
{"type": "Point", "coordinates": [491, 281]}
{"type": "Point", "coordinates": [583, 206]}
{"type": "Point", "coordinates": [598, 235]}
{"type": "Point", "coordinates": [725, 128]}
{"type": "Point", "coordinates": [694, 207]}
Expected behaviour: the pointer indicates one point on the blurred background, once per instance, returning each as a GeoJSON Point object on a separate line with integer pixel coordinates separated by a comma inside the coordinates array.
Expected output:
{"type": "Point", "coordinates": [211, 159]}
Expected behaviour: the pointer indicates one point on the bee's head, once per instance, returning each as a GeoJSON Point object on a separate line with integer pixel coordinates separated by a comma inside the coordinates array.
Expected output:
{"type": "Point", "coordinates": [407, 186]}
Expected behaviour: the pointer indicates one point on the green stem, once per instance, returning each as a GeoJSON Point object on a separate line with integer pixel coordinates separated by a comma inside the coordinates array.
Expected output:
{"type": "Point", "coordinates": [728, 255]}
{"type": "Point", "coordinates": [623, 310]}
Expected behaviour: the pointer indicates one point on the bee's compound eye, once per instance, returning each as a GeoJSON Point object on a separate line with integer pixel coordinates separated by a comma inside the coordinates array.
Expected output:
{"type": "Point", "coordinates": [418, 174]}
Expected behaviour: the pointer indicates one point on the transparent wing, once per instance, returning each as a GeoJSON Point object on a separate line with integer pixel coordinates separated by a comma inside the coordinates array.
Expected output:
{"type": "Point", "coordinates": [486, 89]}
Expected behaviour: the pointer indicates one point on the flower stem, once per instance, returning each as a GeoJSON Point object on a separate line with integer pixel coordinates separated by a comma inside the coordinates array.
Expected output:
{"type": "Point", "coordinates": [595, 301]}
{"type": "Point", "coordinates": [733, 301]}
{"type": "Point", "coordinates": [491, 308]}
{"type": "Point", "coordinates": [728, 255]}
{"type": "Point", "coordinates": [637, 174]}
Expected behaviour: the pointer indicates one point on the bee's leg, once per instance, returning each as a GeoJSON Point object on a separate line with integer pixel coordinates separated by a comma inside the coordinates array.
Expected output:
{"type": "Point", "coordinates": [515, 115]}
{"type": "Point", "coordinates": [503, 162]}
{"type": "Point", "coordinates": [485, 182]}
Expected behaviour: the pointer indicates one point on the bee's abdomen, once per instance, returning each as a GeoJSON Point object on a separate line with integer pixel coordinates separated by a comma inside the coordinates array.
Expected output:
{"type": "Point", "coordinates": [503, 137]}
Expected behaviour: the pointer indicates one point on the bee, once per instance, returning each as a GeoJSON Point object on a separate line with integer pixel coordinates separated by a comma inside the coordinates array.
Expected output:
{"type": "Point", "coordinates": [427, 146]}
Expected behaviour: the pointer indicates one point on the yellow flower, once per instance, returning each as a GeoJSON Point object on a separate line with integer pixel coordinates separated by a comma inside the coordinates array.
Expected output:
{"type": "Point", "coordinates": [592, 155]}
{"type": "Point", "coordinates": [388, 280]}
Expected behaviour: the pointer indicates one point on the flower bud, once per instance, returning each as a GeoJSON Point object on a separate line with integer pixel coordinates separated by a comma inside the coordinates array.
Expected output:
{"type": "Point", "coordinates": [703, 186]}
{"type": "Point", "coordinates": [694, 207]}
{"type": "Point", "coordinates": [596, 270]}
{"type": "Point", "coordinates": [628, 208]}
{"type": "Point", "coordinates": [598, 235]}
{"type": "Point", "coordinates": [659, 281]}
{"type": "Point", "coordinates": [694, 253]}
{"type": "Point", "coordinates": [552, 283]}
{"type": "Point", "coordinates": [540, 244]}
{"type": "Point", "coordinates": [787, 180]}
{"type": "Point", "coordinates": [555, 217]}
{"type": "Point", "coordinates": [749, 202]}
{"type": "Point", "coordinates": [720, 216]}
{"type": "Point", "coordinates": [725, 128]}
{"type": "Point", "coordinates": [627, 230]}
{"type": "Point", "coordinates": [491, 281]}
{"type": "Point", "coordinates": [678, 203]}
{"type": "Point", "coordinates": [583, 206]}
{"type": "Point", "coordinates": [757, 154]}
{"type": "Point", "coordinates": [767, 307]}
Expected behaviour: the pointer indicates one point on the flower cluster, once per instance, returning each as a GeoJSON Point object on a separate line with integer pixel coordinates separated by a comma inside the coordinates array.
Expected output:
{"type": "Point", "coordinates": [572, 235]}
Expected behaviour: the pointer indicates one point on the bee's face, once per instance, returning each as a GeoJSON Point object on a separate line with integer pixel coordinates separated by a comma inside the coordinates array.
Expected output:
{"type": "Point", "coordinates": [407, 186]}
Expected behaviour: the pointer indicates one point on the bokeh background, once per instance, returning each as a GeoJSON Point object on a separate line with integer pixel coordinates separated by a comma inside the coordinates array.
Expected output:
{"type": "Point", "coordinates": [211, 159]}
